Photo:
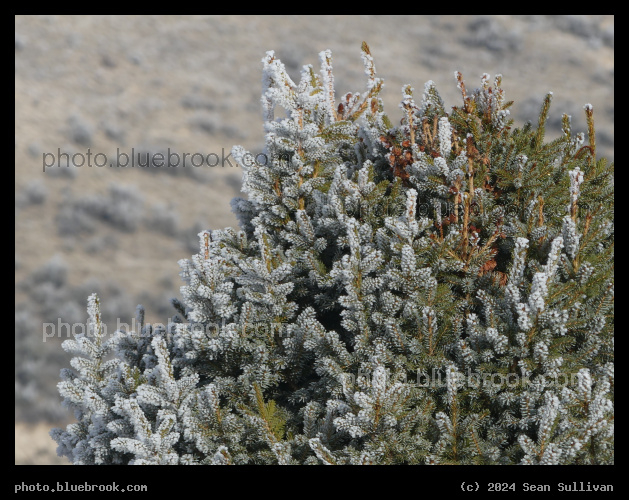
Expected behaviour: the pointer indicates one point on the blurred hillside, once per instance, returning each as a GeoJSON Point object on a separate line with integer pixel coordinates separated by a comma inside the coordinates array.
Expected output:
{"type": "Point", "coordinates": [192, 84]}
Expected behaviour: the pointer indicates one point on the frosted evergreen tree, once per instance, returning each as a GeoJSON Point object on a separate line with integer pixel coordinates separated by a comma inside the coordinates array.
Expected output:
{"type": "Point", "coordinates": [383, 278]}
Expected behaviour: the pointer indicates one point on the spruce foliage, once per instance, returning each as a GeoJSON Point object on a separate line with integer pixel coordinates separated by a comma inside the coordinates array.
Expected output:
{"type": "Point", "coordinates": [435, 288]}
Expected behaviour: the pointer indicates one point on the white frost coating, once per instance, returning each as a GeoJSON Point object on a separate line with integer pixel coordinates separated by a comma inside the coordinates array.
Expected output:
{"type": "Point", "coordinates": [441, 164]}
{"type": "Point", "coordinates": [519, 258]}
{"type": "Point", "coordinates": [539, 291]}
{"type": "Point", "coordinates": [584, 384]}
{"type": "Point", "coordinates": [458, 82]}
{"type": "Point", "coordinates": [553, 257]}
{"type": "Point", "coordinates": [379, 382]}
{"type": "Point", "coordinates": [576, 179]}
{"type": "Point", "coordinates": [327, 76]}
{"type": "Point", "coordinates": [277, 86]}
{"type": "Point", "coordinates": [540, 352]}
{"type": "Point", "coordinates": [370, 70]}
{"type": "Point", "coordinates": [445, 136]}
{"type": "Point", "coordinates": [452, 380]}
{"type": "Point", "coordinates": [411, 211]}
{"type": "Point", "coordinates": [548, 414]}
{"type": "Point", "coordinates": [570, 236]}
{"type": "Point", "coordinates": [411, 204]}
{"type": "Point", "coordinates": [93, 310]}
{"type": "Point", "coordinates": [321, 451]}
{"type": "Point", "coordinates": [407, 97]}
{"type": "Point", "coordinates": [430, 97]}
{"type": "Point", "coordinates": [524, 322]}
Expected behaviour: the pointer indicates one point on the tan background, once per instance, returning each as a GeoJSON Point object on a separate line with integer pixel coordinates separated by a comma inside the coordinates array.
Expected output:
{"type": "Point", "coordinates": [192, 83]}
